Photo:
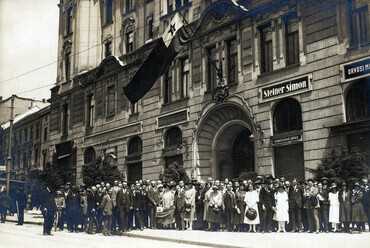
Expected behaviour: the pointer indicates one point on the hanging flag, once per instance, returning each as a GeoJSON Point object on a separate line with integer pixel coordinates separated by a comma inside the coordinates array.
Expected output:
{"type": "Point", "coordinates": [157, 62]}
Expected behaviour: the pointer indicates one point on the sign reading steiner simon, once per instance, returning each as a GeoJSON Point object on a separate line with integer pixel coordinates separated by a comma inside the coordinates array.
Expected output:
{"type": "Point", "coordinates": [357, 69]}
{"type": "Point", "coordinates": [285, 88]}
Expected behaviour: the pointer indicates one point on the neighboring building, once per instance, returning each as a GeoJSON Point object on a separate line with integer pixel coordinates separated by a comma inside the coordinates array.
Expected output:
{"type": "Point", "coordinates": [28, 144]}
{"type": "Point", "coordinates": [22, 105]}
{"type": "Point", "coordinates": [298, 74]}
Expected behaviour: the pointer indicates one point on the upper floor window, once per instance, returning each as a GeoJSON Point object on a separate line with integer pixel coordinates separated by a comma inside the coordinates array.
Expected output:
{"type": "Point", "coordinates": [232, 61]}
{"type": "Point", "coordinates": [134, 108]}
{"type": "Point", "coordinates": [184, 73]}
{"type": "Point", "coordinates": [211, 69]}
{"type": "Point", "coordinates": [266, 48]}
{"type": "Point", "coordinates": [37, 130]}
{"type": "Point", "coordinates": [167, 86]}
{"type": "Point", "coordinates": [109, 11]}
{"type": "Point", "coordinates": [129, 5]}
{"type": "Point", "coordinates": [291, 40]}
{"type": "Point", "coordinates": [90, 111]}
{"type": "Point", "coordinates": [173, 137]}
{"type": "Point", "coordinates": [359, 24]}
{"type": "Point", "coordinates": [111, 100]}
{"type": "Point", "coordinates": [108, 48]}
{"type": "Point", "coordinates": [65, 119]}
{"type": "Point", "coordinates": [36, 155]}
{"type": "Point", "coordinates": [68, 28]}
{"type": "Point", "coordinates": [287, 116]}
{"type": "Point", "coordinates": [25, 134]}
{"type": "Point", "coordinates": [180, 3]}
{"type": "Point", "coordinates": [67, 61]}
{"type": "Point", "coordinates": [45, 134]}
{"type": "Point", "coordinates": [20, 136]}
{"type": "Point", "coordinates": [358, 101]}
{"type": "Point", "coordinates": [135, 146]}
{"type": "Point", "coordinates": [149, 27]}
{"type": "Point", "coordinates": [129, 40]}
{"type": "Point", "coordinates": [31, 132]}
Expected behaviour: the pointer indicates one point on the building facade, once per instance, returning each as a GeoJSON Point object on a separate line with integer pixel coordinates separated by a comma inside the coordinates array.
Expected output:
{"type": "Point", "coordinates": [295, 84]}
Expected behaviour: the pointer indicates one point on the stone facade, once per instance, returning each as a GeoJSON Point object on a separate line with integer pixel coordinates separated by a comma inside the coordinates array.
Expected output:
{"type": "Point", "coordinates": [284, 63]}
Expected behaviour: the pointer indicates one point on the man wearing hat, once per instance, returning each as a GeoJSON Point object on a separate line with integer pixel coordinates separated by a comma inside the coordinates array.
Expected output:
{"type": "Point", "coordinates": [267, 201]}
{"type": "Point", "coordinates": [137, 205]}
{"type": "Point", "coordinates": [21, 201]}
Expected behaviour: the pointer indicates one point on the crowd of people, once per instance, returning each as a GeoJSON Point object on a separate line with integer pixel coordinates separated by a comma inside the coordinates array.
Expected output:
{"type": "Point", "coordinates": [265, 205]}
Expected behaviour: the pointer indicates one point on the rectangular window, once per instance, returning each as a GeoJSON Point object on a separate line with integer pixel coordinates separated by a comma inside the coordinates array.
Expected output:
{"type": "Point", "coordinates": [359, 23]}
{"type": "Point", "coordinates": [65, 119]}
{"type": "Point", "coordinates": [170, 6]}
{"type": "Point", "coordinates": [45, 134]}
{"type": "Point", "coordinates": [111, 97]}
{"type": "Point", "coordinates": [69, 21]}
{"type": "Point", "coordinates": [129, 5]}
{"type": "Point", "coordinates": [13, 163]}
{"type": "Point", "coordinates": [129, 41]}
{"type": "Point", "coordinates": [185, 66]}
{"type": "Point", "coordinates": [212, 72]}
{"type": "Point", "coordinates": [67, 65]}
{"type": "Point", "coordinates": [25, 134]}
{"type": "Point", "coordinates": [24, 160]}
{"type": "Point", "coordinates": [43, 158]}
{"type": "Point", "coordinates": [134, 108]}
{"type": "Point", "coordinates": [291, 41]}
{"type": "Point", "coordinates": [20, 136]}
{"type": "Point", "coordinates": [109, 11]}
{"type": "Point", "coordinates": [149, 25]}
{"type": "Point", "coordinates": [15, 139]}
{"type": "Point", "coordinates": [232, 61]}
{"type": "Point", "coordinates": [37, 130]}
{"type": "Point", "coordinates": [108, 48]}
{"type": "Point", "coordinates": [31, 133]}
{"type": "Point", "coordinates": [167, 86]}
{"type": "Point", "coordinates": [90, 111]}
{"type": "Point", "coordinates": [36, 155]}
{"type": "Point", "coordinates": [266, 49]}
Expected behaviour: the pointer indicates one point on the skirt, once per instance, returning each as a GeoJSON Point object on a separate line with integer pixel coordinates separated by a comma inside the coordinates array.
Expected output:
{"type": "Point", "coordinates": [345, 212]}
{"type": "Point", "coordinates": [214, 216]}
{"type": "Point", "coordinates": [334, 214]}
{"type": "Point", "coordinates": [358, 213]}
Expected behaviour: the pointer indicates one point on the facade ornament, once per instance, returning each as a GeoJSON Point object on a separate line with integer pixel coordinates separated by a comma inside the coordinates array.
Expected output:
{"type": "Point", "coordinates": [220, 93]}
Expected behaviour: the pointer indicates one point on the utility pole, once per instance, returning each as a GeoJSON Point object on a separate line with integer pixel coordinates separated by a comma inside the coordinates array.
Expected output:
{"type": "Point", "coordinates": [9, 159]}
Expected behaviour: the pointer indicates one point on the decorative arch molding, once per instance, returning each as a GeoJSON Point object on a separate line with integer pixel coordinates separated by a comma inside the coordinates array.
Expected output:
{"type": "Point", "coordinates": [127, 22]}
{"type": "Point", "coordinates": [67, 46]}
{"type": "Point", "coordinates": [109, 64]}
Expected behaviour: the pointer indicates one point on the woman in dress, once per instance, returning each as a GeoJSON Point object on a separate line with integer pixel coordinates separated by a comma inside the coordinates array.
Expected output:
{"type": "Point", "coordinates": [189, 204]}
{"type": "Point", "coordinates": [282, 208]}
{"type": "Point", "coordinates": [334, 206]}
{"type": "Point", "coordinates": [358, 213]}
{"type": "Point", "coordinates": [345, 207]}
{"type": "Point", "coordinates": [239, 215]}
{"type": "Point", "coordinates": [214, 211]}
{"type": "Point", "coordinates": [251, 199]}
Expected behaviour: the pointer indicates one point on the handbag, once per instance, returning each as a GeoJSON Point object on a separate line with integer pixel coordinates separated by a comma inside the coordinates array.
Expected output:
{"type": "Point", "coordinates": [251, 214]}
{"type": "Point", "coordinates": [314, 201]}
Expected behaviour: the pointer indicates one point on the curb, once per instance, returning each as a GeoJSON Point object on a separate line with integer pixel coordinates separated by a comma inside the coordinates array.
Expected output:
{"type": "Point", "coordinates": [181, 241]}
{"type": "Point", "coordinates": [27, 222]}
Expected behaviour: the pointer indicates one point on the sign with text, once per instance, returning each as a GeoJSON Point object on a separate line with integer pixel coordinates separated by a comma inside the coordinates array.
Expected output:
{"type": "Point", "coordinates": [2, 167]}
{"type": "Point", "coordinates": [291, 87]}
{"type": "Point", "coordinates": [297, 137]}
{"type": "Point", "coordinates": [356, 69]}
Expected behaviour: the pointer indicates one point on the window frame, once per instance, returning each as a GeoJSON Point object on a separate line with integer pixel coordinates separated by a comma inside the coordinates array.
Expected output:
{"type": "Point", "coordinates": [291, 55]}
{"type": "Point", "coordinates": [232, 57]}
{"type": "Point", "coordinates": [111, 103]}
{"type": "Point", "coordinates": [359, 36]}
{"type": "Point", "coordinates": [283, 122]}
{"type": "Point", "coordinates": [266, 47]}
{"type": "Point", "coordinates": [211, 70]}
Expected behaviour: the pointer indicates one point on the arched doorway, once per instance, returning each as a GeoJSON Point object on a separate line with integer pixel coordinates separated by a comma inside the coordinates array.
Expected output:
{"type": "Point", "coordinates": [225, 144]}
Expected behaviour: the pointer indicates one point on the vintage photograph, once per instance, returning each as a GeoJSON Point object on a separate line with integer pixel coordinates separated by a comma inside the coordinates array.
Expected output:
{"type": "Point", "coordinates": [184, 123]}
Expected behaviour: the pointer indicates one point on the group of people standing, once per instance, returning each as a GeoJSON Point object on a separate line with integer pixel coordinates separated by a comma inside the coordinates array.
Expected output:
{"type": "Point", "coordinates": [265, 205]}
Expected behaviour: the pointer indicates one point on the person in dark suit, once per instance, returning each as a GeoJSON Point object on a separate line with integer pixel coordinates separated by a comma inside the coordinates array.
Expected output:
{"type": "Point", "coordinates": [107, 211]}
{"type": "Point", "coordinates": [4, 204]}
{"type": "Point", "coordinates": [124, 205]}
{"type": "Point", "coordinates": [21, 201]}
{"type": "Point", "coordinates": [137, 206]}
{"type": "Point", "coordinates": [74, 209]}
{"type": "Point", "coordinates": [99, 212]}
{"type": "Point", "coordinates": [267, 201]}
{"type": "Point", "coordinates": [295, 195]}
{"type": "Point", "coordinates": [91, 209]}
{"type": "Point", "coordinates": [144, 199]}
{"type": "Point", "coordinates": [153, 202]}
{"type": "Point", "coordinates": [179, 202]}
{"type": "Point", "coordinates": [229, 206]}
{"type": "Point", "coordinates": [48, 208]}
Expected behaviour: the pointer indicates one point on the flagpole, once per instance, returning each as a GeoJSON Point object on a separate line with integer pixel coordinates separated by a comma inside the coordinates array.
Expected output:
{"type": "Point", "coordinates": [219, 72]}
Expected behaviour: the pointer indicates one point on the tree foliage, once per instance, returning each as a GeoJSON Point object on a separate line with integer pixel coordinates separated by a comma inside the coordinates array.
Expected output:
{"type": "Point", "coordinates": [247, 175]}
{"type": "Point", "coordinates": [174, 172]}
{"type": "Point", "coordinates": [342, 165]}
{"type": "Point", "coordinates": [100, 171]}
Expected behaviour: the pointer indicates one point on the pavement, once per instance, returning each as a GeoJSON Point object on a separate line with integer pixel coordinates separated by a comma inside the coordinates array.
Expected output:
{"type": "Point", "coordinates": [226, 239]}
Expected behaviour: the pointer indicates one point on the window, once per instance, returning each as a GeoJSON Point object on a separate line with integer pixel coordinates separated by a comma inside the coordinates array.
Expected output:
{"type": "Point", "coordinates": [180, 3]}
{"type": "Point", "coordinates": [212, 72]}
{"type": "Point", "coordinates": [358, 23]}
{"type": "Point", "coordinates": [232, 61]}
{"type": "Point", "coordinates": [184, 81]}
{"type": "Point", "coordinates": [45, 134]}
{"type": "Point", "coordinates": [129, 41]}
{"type": "Point", "coordinates": [37, 130]}
{"type": "Point", "coordinates": [167, 86]}
{"type": "Point", "coordinates": [111, 100]}
{"type": "Point", "coordinates": [266, 49]}
{"type": "Point", "coordinates": [24, 159]}
{"type": "Point", "coordinates": [15, 139]}
{"type": "Point", "coordinates": [358, 101]}
{"type": "Point", "coordinates": [89, 155]}
{"type": "Point", "coordinates": [36, 155]}
{"type": "Point", "coordinates": [173, 137]}
{"type": "Point", "coordinates": [135, 146]}
{"type": "Point", "coordinates": [109, 11]}
{"type": "Point", "coordinates": [68, 29]}
{"type": "Point", "coordinates": [108, 48]}
{"type": "Point", "coordinates": [67, 64]}
{"type": "Point", "coordinates": [134, 108]}
{"type": "Point", "coordinates": [90, 111]}
{"type": "Point", "coordinates": [25, 134]}
{"type": "Point", "coordinates": [31, 132]}
{"type": "Point", "coordinates": [129, 5]}
{"type": "Point", "coordinates": [149, 27]}
{"type": "Point", "coordinates": [44, 158]}
{"type": "Point", "coordinates": [291, 41]}
{"type": "Point", "coordinates": [65, 119]}
{"type": "Point", "coordinates": [170, 6]}
{"type": "Point", "coordinates": [287, 116]}
{"type": "Point", "coordinates": [20, 136]}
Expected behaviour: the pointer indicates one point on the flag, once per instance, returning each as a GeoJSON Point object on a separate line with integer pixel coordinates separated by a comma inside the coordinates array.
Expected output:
{"type": "Point", "coordinates": [164, 52]}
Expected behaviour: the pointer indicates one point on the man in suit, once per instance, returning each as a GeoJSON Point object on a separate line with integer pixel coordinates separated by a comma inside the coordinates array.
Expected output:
{"type": "Point", "coordinates": [48, 208]}
{"type": "Point", "coordinates": [74, 209]}
{"type": "Point", "coordinates": [107, 211]}
{"type": "Point", "coordinates": [115, 216]}
{"type": "Point", "coordinates": [137, 205]}
{"type": "Point", "coordinates": [124, 205]}
{"type": "Point", "coordinates": [21, 201]}
{"type": "Point", "coordinates": [267, 201]}
{"type": "Point", "coordinates": [295, 195]}
{"type": "Point", "coordinates": [324, 204]}
{"type": "Point", "coordinates": [229, 205]}
{"type": "Point", "coordinates": [91, 209]}
{"type": "Point", "coordinates": [153, 202]}
{"type": "Point", "coordinates": [313, 206]}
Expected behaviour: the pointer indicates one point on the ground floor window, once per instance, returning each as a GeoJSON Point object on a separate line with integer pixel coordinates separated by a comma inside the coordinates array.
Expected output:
{"type": "Point", "coordinates": [289, 161]}
{"type": "Point", "coordinates": [361, 141]}
{"type": "Point", "coordinates": [172, 159]}
{"type": "Point", "coordinates": [134, 172]}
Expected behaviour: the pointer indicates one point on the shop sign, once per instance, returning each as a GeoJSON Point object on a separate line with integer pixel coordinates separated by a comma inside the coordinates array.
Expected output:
{"type": "Point", "coordinates": [285, 139]}
{"type": "Point", "coordinates": [356, 69]}
{"type": "Point", "coordinates": [172, 118]}
{"type": "Point", "coordinates": [2, 167]}
{"type": "Point", "coordinates": [287, 88]}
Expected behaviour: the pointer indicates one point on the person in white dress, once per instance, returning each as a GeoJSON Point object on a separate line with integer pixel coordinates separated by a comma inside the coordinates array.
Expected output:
{"type": "Point", "coordinates": [334, 206]}
{"type": "Point", "coordinates": [282, 208]}
{"type": "Point", "coordinates": [251, 199]}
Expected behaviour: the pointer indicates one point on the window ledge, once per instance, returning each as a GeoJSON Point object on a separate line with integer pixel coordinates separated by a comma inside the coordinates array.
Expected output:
{"type": "Point", "coordinates": [265, 74]}
{"type": "Point", "coordinates": [107, 24]}
{"type": "Point", "coordinates": [174, 102]}
{"type": "Point", "coordinates": [110, 116]}
{"type": "Point", "coordinates": [359, 47]}
{"type": "Point", "coordinates": [134, 114]}
{"type": "Point", "coordinates": [68, 35]}
{"type": "Point", "coordinates": [129, 12]}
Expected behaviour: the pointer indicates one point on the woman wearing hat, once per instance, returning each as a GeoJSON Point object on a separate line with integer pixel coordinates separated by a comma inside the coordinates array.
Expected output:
{"type": "Point", "coordinates": [358, 212]}
{"type": "Point", "coordinates": [345, 206]}
{"type": "Point", "coordinates": [334, 206]}
{"type": "Point", "coordinates": [214, 211]}
{"type": "Point", "coordinates": [251, 199]}
{"type": "Point", "coordinates": [239, 215]}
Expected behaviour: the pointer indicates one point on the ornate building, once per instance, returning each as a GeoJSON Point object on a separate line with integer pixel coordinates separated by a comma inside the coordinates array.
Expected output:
{"type": "Point", "coordinates": [295, 83]}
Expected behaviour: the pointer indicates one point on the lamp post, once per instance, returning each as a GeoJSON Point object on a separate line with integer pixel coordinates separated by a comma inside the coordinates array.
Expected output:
{"type": "Point", "coordinates": [9, 159]}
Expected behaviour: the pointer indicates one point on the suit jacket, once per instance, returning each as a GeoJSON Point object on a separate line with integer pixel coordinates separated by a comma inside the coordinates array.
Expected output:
{"type": "Point", "coordinates": [228, 203]}
{"type": "Point", "coordinates": [107, 205]}
{"type": "Point", "coordinates": [267, 198]}
{"type": "Point", "coordinates": [144, 199]}
{"type": "Point", "coordinates": [153, 198]}
{"type": "Point", "coordinates": [137, 199]}
{"type": "Point", "coordinates": [179, 201]}
{"type": "Point", "coordinates": [91, 202]}
{"type": "Point", "coordinates": [74, 202]}
{"type": "Point", "coordinates": [124, 200]}
{"type": "Point", "coordinates": [295, 196]}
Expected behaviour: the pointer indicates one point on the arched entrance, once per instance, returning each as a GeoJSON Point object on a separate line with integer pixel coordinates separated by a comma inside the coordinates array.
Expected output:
{"type": "Point", "coordinates": [225, 145]}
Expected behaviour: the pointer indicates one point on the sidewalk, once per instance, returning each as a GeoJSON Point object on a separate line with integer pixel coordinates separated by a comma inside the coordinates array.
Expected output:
{"type": "Point", "coordinates": [30, 217]}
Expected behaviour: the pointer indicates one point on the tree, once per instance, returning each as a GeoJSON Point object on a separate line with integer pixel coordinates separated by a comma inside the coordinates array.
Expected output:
{"type": "Point", "coordinates": [100, 171]}
{"type": "Point", "coordinates": [174, 172]}
{"type": "Point", "coordinates": [342, 165]}
{"type": "Point", "coordinates": [247, 175]}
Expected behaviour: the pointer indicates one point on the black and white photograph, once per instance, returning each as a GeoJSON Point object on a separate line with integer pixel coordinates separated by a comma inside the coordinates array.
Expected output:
{"type": "Point", "coordinates": [184, 123]}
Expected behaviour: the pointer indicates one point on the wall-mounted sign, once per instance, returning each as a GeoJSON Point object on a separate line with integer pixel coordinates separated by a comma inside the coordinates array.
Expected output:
{"type": "Point", "coordinates": [280, 140]}
{"type": "Point", "coordinates": [172, 118]}
{"type": "Point", "coordinates": [286, 88]}
{"type": "Point", "coordinates": [356, 69]}
{"type": "Point", "coordinates": [2, 167]}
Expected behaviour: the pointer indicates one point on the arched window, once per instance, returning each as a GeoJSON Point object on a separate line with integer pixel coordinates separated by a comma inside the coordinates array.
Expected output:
{"type": "Point", "coordinates": [129, 38]}
{"type": "Point", "coordinates": [358, 100]}
{"type": "Point", "coordinates": [287, 116]}
{"type": "Point", "coordinates": [173, 137]}
{"type": "Point", "coordinates": [89, 155]}
{"type": "Point", "coordinates": [134, 163]}
{"type": "Point", "coordinates": [135, 146]}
